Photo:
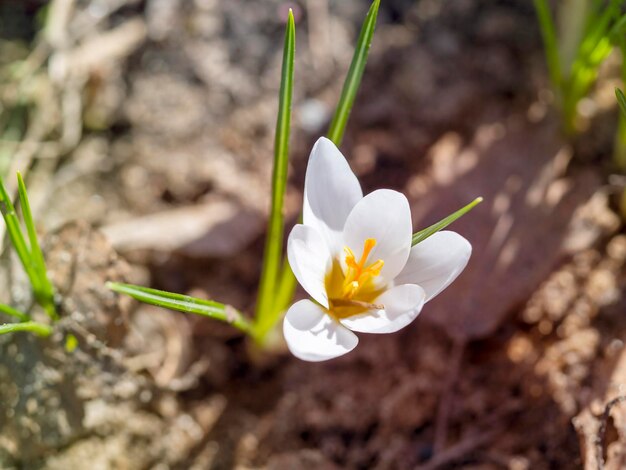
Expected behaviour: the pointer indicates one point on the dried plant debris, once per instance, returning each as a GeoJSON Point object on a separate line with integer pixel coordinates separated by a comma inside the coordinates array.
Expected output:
{"type": "Point", "coordinates": [61, 405]}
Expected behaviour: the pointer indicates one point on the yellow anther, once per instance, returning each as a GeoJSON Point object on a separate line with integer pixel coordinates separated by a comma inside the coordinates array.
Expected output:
{"type": "Point", "coordinates": [376, 267]}
{"type": "Point", "coordinates": [350, 259]}
{"type": "Point", "coordinates": [368, 246]}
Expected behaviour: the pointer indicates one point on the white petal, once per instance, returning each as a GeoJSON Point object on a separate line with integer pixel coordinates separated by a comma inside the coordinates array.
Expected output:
{"type": "Point", "coordinates": [436, 262]}
{"type": "Point", "coordinates": [402, 305]}
{"type": "Point", "coordinates": [310, 261]}
{"type": "Point", "coordinates": [330, 192]}
{"type": "Point", "coordinates": [312, 335]}
{"type": "Point", "coordinates": [385, 216]}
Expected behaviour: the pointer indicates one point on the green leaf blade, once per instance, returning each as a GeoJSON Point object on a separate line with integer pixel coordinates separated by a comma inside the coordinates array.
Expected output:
{"type": "Point", "coordinates": [46, 291]}
{"type": "Point", "coordinates": [287, 283]}
{"type": "Point", "coordinates": [443, 223]}
{"type": "Point", "coordinates": [183, 303]}
{"type": "Point", "coordinates": [8, 310]}
{"type": "Point", "coordinates": [17, 237]}
{"type": "Point", "coordinates": [30, 326]}
{"type": "Point", "coordinates": [274, 238]}
{"type": "Point", "coordinates": [353, 78]}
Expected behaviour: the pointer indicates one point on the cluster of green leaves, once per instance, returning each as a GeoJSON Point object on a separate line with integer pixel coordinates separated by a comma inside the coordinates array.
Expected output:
{"type": "Point", "coordinates": [30, 255]}
{"type": "Point", "coordinates": [277, 284]}
{"type": "Point", "coordinates": [589, 32]}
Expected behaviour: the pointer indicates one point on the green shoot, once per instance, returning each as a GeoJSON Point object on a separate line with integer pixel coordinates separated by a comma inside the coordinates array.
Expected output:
{"type": "Point", "coordinates": [548, 33]}
{"type": "Point", "coordinates": [17, 237]}
{"type": "Point", "coordinates": [33, 327]}
{"type": "Point", "coordinates": [7, 310]}
{"type": "Point", "coordinates": [353, 79]}
{"type": "Point", "coordinates": [287, 281]}
{"type": "Point", "coordinates": [184, 303]}
{"type": "Point", "coordinates": [32, 260]}
{"type": "Point", "coordinates": [46, 294]}
{"type": "Point", "coordinates": [572, 77]}
{"type": "Point", "coordinates": [443, 223]}
{"type": "Point", "coordinates": [30, 256]}
{"type": "Point", "coordinates": [274, 241]}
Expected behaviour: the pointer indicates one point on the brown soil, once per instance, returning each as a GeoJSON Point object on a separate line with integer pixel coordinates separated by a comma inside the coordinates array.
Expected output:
{"type": "Point", "coordinates": [510, 368]}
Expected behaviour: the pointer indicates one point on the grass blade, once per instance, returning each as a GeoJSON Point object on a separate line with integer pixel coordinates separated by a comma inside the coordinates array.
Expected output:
{"type": "Point", "coordinates": [183, 303]}
{"type": "Point", "coordinates": [33, 327]}
{"type": "Point", "coordinates": [443, 223]}
{"type": "Point", "coordinates": [353, 79]}
{"type": "Point", "coordinates": [46, 295]}
{"type": "Point", "coordinates": [548, 33]}
{"type": "Point", "coordinates": [274, 241]}
{"type": "Point", "coordinates": [17, 237]}
{"type": "Point", "coordinates": [7, 310]}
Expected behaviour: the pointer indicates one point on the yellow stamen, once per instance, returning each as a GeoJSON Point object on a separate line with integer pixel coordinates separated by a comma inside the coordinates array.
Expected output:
{"type": "Point", "coordinates": [357, 274]}
{"type": "Point", "coordinates": [368, 246]}
{"type": "Point", "coordinates": [351, 288]}
{"type": "Point", "coordinates": [376, 267]}
{"type": "Point", "coordinates": [350, 259]}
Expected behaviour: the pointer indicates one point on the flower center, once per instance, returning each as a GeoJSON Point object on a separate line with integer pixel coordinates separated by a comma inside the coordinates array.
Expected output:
{"type": "Point", "coordinates": [353, 291]}
{"type": "Point", "coordinates": [357, 274]}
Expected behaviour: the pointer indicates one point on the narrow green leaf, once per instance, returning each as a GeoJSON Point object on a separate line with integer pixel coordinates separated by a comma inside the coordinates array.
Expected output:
{"type": "Point", "coordinates": [621, 100]}
{"type": "Point", "coordinates": [33, 327]}
{"type": "Point", "coordinates": [37, 255]}
{"type": "Point", "coordinates": [548, 33]}
{"type": "Point", "coordinates": [600, 27]}
{"type": "Point", "coordinates": [443, 223]}
{"type": "Point", "coordinates": [46, 295]}
{"type": "Point", "coordinates": [274, 238]}
{"type": "Point", "coordinates": [287, 281]}
{"type": "Point", "coordinates": [7, 310]}
{"type": "Point", "coordinates": [353, 79]}
{"type": "Point", "coordinates": [183, 303]}
{"type": "Point", "coordinates": [17, 237]}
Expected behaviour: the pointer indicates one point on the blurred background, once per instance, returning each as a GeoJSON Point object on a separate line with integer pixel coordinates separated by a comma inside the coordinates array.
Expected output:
{"type": "Point", "coordinates": [151, 121]}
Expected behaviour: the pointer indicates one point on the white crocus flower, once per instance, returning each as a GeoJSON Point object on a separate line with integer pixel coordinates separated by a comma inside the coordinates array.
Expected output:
{"type": "Point", "coordinates": [353, 256]}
